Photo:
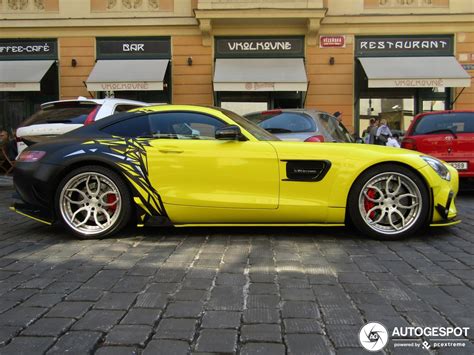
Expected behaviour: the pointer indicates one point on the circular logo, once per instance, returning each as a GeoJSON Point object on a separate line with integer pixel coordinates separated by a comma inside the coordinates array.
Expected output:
{"type": "Point", "coordinates": [373, 336]}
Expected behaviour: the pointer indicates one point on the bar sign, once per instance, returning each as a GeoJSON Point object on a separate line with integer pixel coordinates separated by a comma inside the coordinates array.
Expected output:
{"type": "Point", "coordinates": [332, 41]}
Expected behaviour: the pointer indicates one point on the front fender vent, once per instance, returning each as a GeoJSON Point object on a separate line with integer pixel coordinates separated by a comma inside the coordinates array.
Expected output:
{"type": "Point", "coordinates": [306, 170]}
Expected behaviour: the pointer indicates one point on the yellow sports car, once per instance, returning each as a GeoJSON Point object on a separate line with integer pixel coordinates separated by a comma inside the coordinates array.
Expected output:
{"type": "Point", "coordinates": [206, 166]}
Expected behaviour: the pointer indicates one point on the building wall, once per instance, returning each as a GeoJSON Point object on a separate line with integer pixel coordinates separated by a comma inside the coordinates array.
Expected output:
{"type": "Point", "coordinates": [331, 87]}
{"type": "Point", "coordinates": [71, 79]}
{"type": "Point", "coordinates": [465, 55]}
{"type": "Point", "coordinates": [192, 84]}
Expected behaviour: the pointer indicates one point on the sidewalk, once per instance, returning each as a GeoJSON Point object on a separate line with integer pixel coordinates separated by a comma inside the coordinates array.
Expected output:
{"type": "Point", "coordinates": [6, 181]}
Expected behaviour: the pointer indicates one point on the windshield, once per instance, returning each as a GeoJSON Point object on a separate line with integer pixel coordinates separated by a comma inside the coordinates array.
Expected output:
{"type": "Point", "coordinates": [249, 126]}
{"type": "Point", "coordinates": [456, 122]}
{"type": "Point", "coordinates": [62, 112]}
{"type": "Point", "coordinates": [284, 122]}
{"type": "Point", "coordinates": [335, 129]}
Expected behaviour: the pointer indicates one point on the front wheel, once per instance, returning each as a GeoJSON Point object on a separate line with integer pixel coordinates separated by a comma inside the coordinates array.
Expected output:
{"type": "Point", "coordinates": [93, 202]}
{"type": "Point", "coordinates": [389, 202]}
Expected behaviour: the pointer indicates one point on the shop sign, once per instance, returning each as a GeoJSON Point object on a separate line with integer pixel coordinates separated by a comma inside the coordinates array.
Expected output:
{"type": "Point", "coordinates": [468, 66]}
{"type": "Point", "coordinates": [332, 41]}
{"type": "Point", "coordinates": [259, 86]}
{"type": "Point", "coordinates": [418, 83]}
{"type": "Point", "coordinates": [260, 47]}
{"type": "Point", "coordinates": [125, 86]}
{"type": "Point", "coordinates": [18, 49]}
{"type": "Point", "coordinates": [404, 46]}
{"type": "Point", "coordinates": [134, 48]}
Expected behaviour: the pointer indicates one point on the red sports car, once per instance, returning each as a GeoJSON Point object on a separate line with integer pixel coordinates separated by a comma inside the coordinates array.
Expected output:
{"type": "Point", "coordinates": [447, 135]}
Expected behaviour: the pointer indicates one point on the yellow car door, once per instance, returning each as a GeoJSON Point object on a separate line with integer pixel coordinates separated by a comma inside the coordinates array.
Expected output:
{"type": "Point", "coordinates": [189, 167]}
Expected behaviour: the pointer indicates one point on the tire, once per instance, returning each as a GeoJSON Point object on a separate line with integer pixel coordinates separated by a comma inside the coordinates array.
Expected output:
{"type": "Point", "coordinates": [389, 202]}
{"type": "Point", "coordinates": [85, 202]}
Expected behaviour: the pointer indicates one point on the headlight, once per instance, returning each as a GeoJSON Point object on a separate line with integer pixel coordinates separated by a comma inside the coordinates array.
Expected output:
{"type": "Point", "coordinates": [438, 166]}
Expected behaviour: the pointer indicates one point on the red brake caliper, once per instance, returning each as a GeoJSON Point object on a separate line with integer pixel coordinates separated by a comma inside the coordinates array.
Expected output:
{"type": "Point", "coordinates": [369, 204]}
{"type": "Point", "coordinates": [111, 199]}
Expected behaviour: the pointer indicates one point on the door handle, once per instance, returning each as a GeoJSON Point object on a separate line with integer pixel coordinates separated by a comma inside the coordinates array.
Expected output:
{"type": "Point", "coordinates": [170, 150]}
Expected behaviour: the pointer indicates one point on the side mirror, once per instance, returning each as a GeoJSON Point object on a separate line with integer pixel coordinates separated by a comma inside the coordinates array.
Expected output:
{"type": "Point", "coordinates": [230, 133]}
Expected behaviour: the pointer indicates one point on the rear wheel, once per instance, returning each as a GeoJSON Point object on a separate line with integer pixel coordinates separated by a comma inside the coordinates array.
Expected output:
{"type": "Point", "coordinates": [389, 202]}
{"type": "Point", "coordinates": [93, 202]}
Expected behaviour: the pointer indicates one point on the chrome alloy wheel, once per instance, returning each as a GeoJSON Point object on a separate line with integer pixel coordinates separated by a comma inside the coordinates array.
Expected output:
{"type": "Point", "coordinates": [90, 203]}
{"type": "Point", "coordinates": [390, 203]}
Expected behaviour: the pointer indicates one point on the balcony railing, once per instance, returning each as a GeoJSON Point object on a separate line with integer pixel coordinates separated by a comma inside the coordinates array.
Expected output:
{"type": "Point", "coordinates": [377, 4]}
{"type": "Point", "coordinates": [14, 6]}
{"type": "Point", "coordinates": [132, 5]}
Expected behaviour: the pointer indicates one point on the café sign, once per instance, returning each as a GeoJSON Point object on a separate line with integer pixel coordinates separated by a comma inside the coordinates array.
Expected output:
{"type": "Point", "coordinates": [403, 46]}
{"type": "Point", "coordinates": [259, 47]}
{"type": "Point", "coordinates": [134, 48]}
{"type": "Point", "coordinates": [18, 49]}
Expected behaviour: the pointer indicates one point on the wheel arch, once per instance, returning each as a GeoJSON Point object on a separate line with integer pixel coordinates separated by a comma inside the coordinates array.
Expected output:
{"type": "Point", "coordinates": [392, 162]}
{"type": "Point", "coordinates": [76, 164]}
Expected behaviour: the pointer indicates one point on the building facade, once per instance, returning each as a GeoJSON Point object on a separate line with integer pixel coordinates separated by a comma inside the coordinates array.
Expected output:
{"type": "Point", "coordinates": [365, 58]}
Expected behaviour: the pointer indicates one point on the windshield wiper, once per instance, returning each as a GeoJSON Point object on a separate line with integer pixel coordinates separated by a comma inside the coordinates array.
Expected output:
{"type": "Point", "coordinates": [443, 130]}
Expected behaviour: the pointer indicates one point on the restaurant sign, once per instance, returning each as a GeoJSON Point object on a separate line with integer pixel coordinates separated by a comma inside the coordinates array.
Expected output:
{"type": "Point", "coordinates": [134, 48]}
{"type": "Point", "coordinates": [404, 46]}
{"type": "Point", "coordinates": [259, 47]}
{"type": "Point", "coordinates": [26, 49]}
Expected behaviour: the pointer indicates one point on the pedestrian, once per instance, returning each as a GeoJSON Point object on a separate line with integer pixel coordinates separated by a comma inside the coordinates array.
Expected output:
{"type": "Point", "coordinates": [373, 131]}
{"type": "Point", "coordinates": [8, 144]}
{"type": "Point", "coordinates": [393, 141]}
{"type": "Point", "coordinates": [383, 132]}
{"type": "Point", "coordinates": [338, 116]}
{"type": "Point", "coordinates": [366, 132]}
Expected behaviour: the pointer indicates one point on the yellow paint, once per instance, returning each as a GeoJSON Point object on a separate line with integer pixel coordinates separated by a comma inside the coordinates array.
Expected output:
{"type": "Point", "coordinates": [29, 216]}
{"type": "Point", "coordinates": [217, 182]}
{"type": "Point", "coordinates": [447, 224]}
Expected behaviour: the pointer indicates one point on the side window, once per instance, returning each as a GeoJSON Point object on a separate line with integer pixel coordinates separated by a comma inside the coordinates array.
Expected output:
{"type": "Point", "coordinates": [122, 108]}
{"type": "Point", "coordinates": [184, 125]}
{"type": "Point", "coordinates": [133, 127]}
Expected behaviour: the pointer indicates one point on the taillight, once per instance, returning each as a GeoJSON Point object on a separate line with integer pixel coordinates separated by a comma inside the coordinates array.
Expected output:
{"type": "Point", "coordinates": [409, 143]}
{"type": "Point", "coordinates": [317, 138]}
{"type": "Point", "coordinates": [91, 116]}
{"type": "Point", "coordinates": [271, 112]}
{"type": "Point", "coordinates": [31, 156]}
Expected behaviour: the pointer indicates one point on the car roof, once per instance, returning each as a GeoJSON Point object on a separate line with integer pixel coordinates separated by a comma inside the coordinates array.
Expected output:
{"type": "Point", "coordinates": [297, 110]}
{"type": "Point", "coordinates": [431, 113]}
{"type": "Point", "coordinates": [98, 101]}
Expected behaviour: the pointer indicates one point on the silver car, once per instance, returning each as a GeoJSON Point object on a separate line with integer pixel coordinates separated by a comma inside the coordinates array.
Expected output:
{"type": "Point", "coordinates": [301, 125]}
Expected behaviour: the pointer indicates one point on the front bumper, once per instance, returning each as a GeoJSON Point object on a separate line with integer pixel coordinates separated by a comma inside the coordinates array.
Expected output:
{"type": "Point", "coordinates": [443, 194]}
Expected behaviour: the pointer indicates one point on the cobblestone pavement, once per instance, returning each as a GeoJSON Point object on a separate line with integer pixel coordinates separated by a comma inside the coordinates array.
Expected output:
{"type": "Point", "coordinates": [233, 290]}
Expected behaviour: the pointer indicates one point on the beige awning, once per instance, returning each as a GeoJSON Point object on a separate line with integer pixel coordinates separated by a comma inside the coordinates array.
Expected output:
{"type": "Point", "coordinates": [261, 74]}
{"type": "Point", "coordinates": [23, 75]}
{"type": "Point", "coordinates": [127, 75]}
{"type": "Point", "coordinates": [413, 72]}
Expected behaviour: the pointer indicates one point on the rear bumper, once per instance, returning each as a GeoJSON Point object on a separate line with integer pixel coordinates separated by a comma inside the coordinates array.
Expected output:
{"type": "Point", "coordinates": [35, 185]}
